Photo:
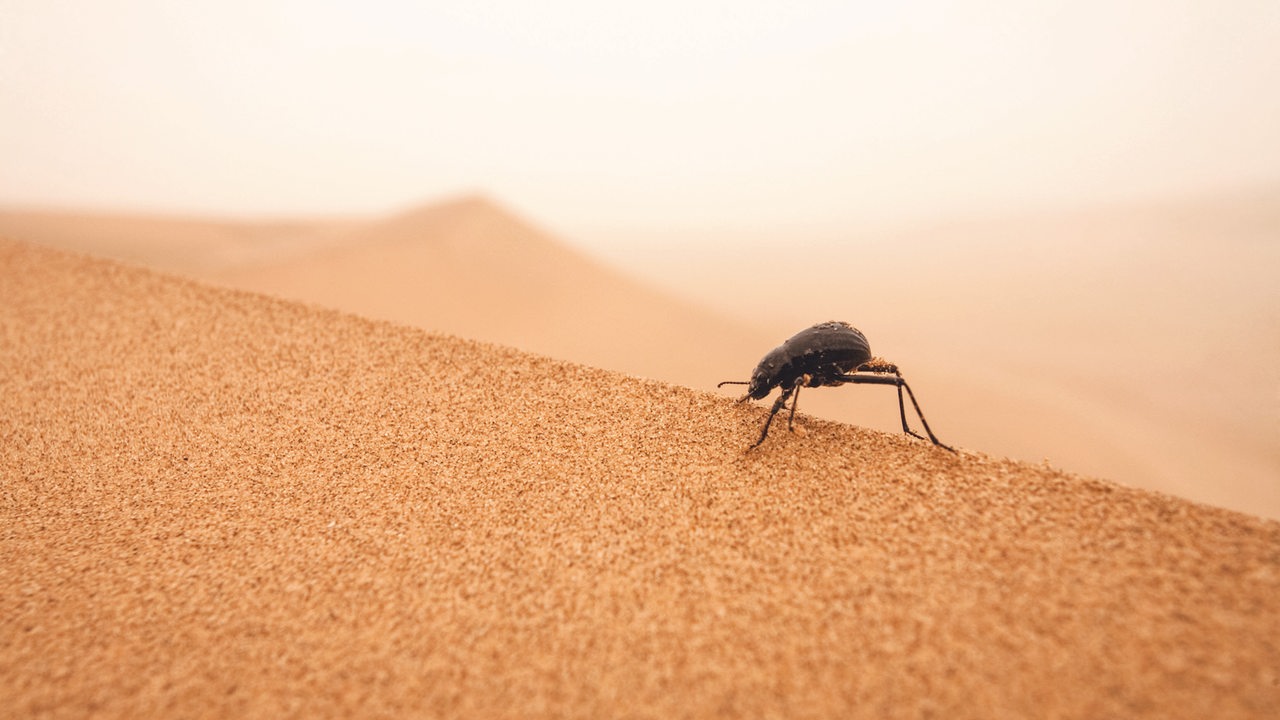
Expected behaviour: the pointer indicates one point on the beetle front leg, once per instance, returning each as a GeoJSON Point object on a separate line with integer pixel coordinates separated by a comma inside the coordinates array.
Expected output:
{"type": "Point", "coordinates": [777, 405]}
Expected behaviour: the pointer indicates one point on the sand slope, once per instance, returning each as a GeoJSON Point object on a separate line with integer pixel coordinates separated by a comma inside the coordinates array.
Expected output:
{"type": "Point", "coordinates": [1137, 343]}
{"type": "Point", "coordinates": [220, 504]}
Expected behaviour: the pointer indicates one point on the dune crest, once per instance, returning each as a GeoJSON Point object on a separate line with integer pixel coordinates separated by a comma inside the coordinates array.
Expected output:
{"type": "Point", "coordinates": [220, 503]}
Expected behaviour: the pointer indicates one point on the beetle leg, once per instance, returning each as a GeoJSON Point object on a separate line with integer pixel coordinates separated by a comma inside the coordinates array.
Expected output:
{"type": "Point", "coordinates": [897, 379]}
{"type": "Point", "coordinates": [902, 410]}
{"type": "Point", "coordinates": [777, 405]}
{"type": "Point", "coordinates": [791, 419]}
{"type": "Point", "coordinates": [924, 422]}
{"type": "Point", "coordinates": [880, 365]}
{"type": "Point", "coordinates": [920, 413]}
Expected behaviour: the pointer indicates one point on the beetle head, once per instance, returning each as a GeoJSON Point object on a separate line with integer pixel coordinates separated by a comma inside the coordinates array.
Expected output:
{"type": "Point", "coordinates": [764, 378]}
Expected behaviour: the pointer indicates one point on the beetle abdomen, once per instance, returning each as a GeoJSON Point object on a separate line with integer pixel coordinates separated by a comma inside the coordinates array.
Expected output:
{"type": "Point", "coordinates": [828, 343]}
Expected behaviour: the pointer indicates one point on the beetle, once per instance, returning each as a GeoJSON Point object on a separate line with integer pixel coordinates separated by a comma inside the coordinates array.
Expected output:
{"type": "Point", "coordinates": [830, 353]}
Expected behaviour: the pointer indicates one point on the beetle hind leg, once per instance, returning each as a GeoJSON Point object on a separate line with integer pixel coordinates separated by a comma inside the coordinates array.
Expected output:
{"type": "Point", "coordinates": [920, 414]}
{"type": "Point", "coordinates": [895, 378]}
{"type": "Point", "coordinates": [882, 366]}
{"type": "Point", "coordinates": [902, 412]}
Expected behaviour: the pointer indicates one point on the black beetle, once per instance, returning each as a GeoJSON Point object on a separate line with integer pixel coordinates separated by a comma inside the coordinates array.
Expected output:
{"type": "Point", "coordinates": [829, 353]}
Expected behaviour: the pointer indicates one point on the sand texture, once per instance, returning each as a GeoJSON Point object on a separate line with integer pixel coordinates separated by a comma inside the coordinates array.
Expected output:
{"type": "Point", "coordinates": [213, 503]}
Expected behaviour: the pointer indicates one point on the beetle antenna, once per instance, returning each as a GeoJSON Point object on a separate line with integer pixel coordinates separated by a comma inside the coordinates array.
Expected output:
{"type": "Point", "coordinates": [744, 398]}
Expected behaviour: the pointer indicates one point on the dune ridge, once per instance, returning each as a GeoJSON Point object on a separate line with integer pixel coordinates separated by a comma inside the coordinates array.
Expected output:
{"type": "Point", "coordinates": [220, 504]}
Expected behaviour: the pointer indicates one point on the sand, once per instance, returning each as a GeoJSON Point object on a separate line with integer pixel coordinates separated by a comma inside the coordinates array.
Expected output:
{"type": "Point", "coordinates": [220, 504]}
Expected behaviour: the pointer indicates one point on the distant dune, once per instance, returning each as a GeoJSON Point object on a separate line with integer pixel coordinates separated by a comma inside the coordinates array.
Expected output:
{"type": "Point", "coordinates": [1138, 343]}
{"type": "Point", "coordinates": [473, 269]}
{"type": "Point", "coordinates": [216, 503]}
{"type": "Point", "coordinates": [199, 247]}
{"type": "Point", "coordinates": [466, 266]}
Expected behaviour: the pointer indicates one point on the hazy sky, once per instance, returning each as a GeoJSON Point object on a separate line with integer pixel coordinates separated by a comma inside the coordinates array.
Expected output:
{"type": "Point", "coordinates": [650, 116]}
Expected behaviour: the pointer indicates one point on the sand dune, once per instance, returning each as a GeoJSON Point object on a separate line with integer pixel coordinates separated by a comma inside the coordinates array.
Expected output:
{"type": "Point", "coordinates": [1136, 343]}
{"type": "Point", "coordinates": [199, 247]}
{"type": "Point", "coordinates": [474, 269]}
{"type": "Point", "coordinates": [216, 503]}
{"type": "Point", "coordinates": [466, 266]}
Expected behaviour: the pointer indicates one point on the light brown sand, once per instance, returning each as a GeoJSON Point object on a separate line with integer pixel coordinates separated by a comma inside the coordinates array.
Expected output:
{"type": "Point", "coordinates": [218, 504]}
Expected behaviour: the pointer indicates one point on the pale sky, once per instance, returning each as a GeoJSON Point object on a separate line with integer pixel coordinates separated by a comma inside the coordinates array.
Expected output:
{"type": "Point", "coordinates": [599, 118]}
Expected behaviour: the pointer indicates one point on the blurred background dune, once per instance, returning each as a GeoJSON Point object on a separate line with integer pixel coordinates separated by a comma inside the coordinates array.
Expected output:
{"type": "Point", "coordinates": [1061, 221]}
